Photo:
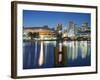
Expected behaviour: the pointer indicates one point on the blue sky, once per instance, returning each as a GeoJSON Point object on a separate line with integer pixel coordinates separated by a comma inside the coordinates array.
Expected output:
{"type": "Point", "coordinates": [40, 18]}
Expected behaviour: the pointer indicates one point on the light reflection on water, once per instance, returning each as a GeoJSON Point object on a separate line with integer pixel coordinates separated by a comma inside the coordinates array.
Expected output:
{"type": "Point", "coordinates": [78, 54]}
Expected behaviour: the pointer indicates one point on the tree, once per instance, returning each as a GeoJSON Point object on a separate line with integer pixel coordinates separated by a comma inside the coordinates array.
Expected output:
{"type": "Point", "coordinates": [36, 35]}
{"type": "Point", "coordinates": [31, 35]}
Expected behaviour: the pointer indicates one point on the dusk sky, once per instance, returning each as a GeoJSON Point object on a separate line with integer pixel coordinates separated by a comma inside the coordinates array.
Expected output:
{"type": "Point", "coordinates": [40, 18]}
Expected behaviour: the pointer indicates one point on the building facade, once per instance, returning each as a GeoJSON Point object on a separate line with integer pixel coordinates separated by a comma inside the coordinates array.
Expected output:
{"type": "Point", "coordinates": [44, 32]}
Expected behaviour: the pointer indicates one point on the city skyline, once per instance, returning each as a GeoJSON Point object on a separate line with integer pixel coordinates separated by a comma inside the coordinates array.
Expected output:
{"type": "Point", "coordinates": [40, 18]}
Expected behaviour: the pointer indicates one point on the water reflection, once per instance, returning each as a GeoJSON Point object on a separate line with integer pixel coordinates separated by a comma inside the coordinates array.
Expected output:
{"type": "Point", "coordinates": [41, 54]}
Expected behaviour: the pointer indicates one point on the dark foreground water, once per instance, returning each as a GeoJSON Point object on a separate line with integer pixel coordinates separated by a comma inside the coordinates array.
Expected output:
{"type": "Point", "coordinates": [78, 54]}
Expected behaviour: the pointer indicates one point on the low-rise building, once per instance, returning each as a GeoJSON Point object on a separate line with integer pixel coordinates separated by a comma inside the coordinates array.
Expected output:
{"type": "Point", "coordinates": [44, 32]}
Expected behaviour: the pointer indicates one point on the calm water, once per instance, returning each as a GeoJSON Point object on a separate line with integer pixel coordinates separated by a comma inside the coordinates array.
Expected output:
{"type": "Point", "coordinates": [78, 54]}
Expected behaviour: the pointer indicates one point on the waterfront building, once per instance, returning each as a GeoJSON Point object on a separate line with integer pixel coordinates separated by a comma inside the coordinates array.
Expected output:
{"type": "Point", "coordinates": [84, 31]}
{"type": "Point", "coordinates": [44, 31]}
{"type": "Point", "coordinates": [65, 35]}
{"type": "Point", "coordinates": [72, 30]}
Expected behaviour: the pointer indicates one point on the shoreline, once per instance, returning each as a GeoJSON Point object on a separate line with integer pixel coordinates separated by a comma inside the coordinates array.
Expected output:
{"type": "Point", "coordinates": [57, 40]}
